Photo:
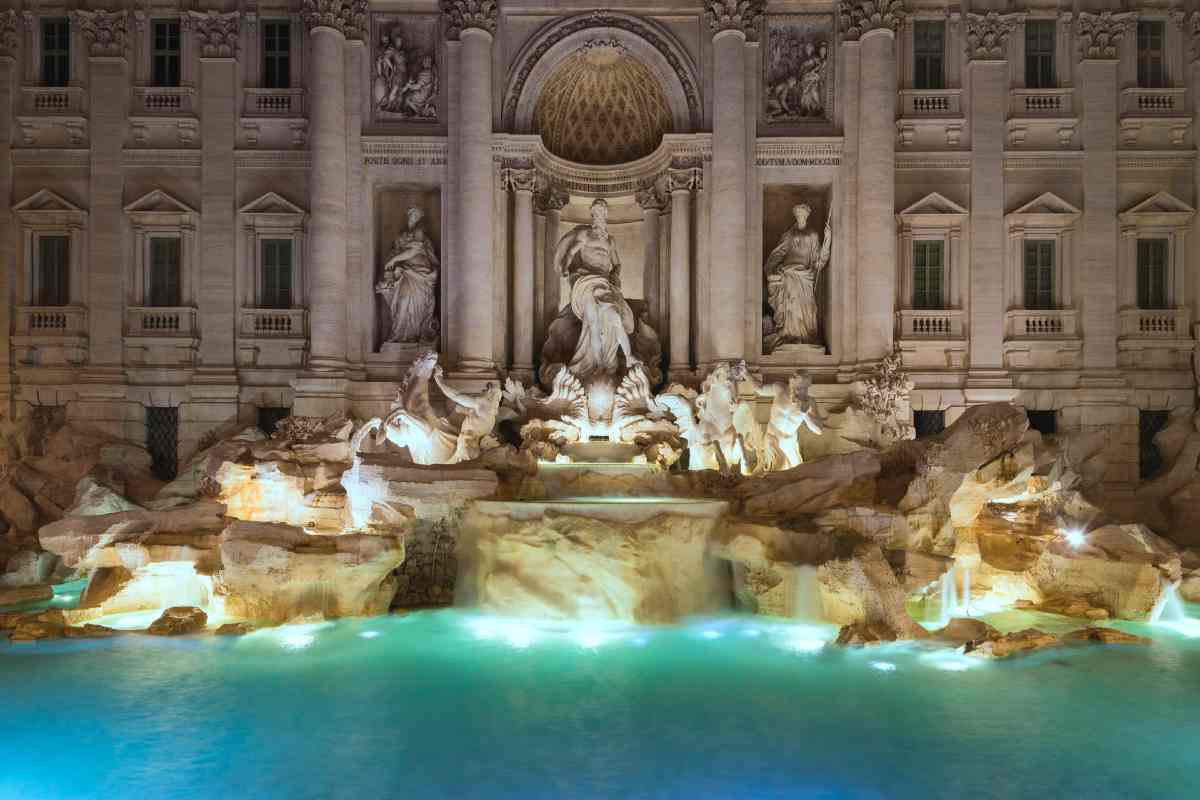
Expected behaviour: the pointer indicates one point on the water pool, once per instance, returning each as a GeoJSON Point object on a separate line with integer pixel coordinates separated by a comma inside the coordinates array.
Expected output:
{"type": "Point", "coordinates": [449, 704]}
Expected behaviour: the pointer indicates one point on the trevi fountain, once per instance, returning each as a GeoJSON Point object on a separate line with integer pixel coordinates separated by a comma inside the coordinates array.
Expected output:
{"type": "Point", "coordinates": [654, 529]}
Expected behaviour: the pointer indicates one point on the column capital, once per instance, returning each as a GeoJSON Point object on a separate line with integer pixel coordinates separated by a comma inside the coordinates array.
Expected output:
{"type": "Point", "coordinates": [519, 180]}
{"type": "Point", "coordinates": [683, 180]}
{"type": "Point", "coordinates": [1100, 34]}
{"type": "Point", "coordinates": [10, 39]}
{"type": "Point", "coordinates": [463, 15]}
{"type": "Point", "coordinates": [987, 35]}
{"type": "Point", "coordinates": [734, 15]}
{"type": "Point", "coordinates": [858, 17]}
{"type": "Point", "coordinates": [551, 198]}
{"type": "Point", "coordinates": [650, 198]}
{"type": "Point", "coordinates": [106, 32]}
{"type": "Point", "coordinates": [218, 34]}
{"type": "Point", "coordinates": [349, 17]}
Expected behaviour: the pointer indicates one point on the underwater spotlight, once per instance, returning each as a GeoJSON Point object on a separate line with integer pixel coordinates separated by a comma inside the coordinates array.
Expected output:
{"type": "Point", "coordinates": [1076, 537]}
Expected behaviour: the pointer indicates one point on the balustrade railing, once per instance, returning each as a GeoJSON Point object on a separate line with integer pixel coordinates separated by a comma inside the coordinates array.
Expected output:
{"type": "Point", "coordinates": [160, 321]}
{"type": "Point", "coordinates": [274, 102]}
{"type": "Point", "coordinates": [51, 321]}
{"type": "Point", "coordinates": [1043, 102]}
{"type": "Point", "coordinates": [1154, 102]}
{"type": "Point", "coordinates": [931, 102]}
{"type": "Point", "coordinates": [1169, 323]}
{"type": "Point", "coordinates": [1041, 323]}
{"type": "Point", "coordinates": [931, 323]}
{"type": "Point", "coordinates": [282, 323]}
{"type": "Point", "coordinates": [52, 99]}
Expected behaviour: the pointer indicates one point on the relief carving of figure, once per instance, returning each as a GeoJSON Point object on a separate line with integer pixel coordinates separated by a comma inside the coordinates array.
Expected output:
{"type": "Point", "coordinates": [792, 272]}
{"type": "Point", "coordinates": [409, 285]}
{"type": "Point", "coordinates": [405, 81]}
{"type": "Point", "coordinates": [798, 74]}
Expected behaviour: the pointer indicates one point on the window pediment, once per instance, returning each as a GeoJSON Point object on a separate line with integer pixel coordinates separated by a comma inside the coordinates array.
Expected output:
{"type": "Point", "coordinates": [45, 208]}
{"type": "Point", "coordinates": [935, 209]}
{"type": "Point", "coordinates": [272, 207]}
{"type": "Point", "coordinates": [159, 209]}
{"type": "Point", "coordinates": [1046, 211]}
{"type": "Point", "coordinates": [1159, 210]}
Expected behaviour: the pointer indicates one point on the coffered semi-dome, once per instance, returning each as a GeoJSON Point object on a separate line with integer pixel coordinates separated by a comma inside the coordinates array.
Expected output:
{"type": "Point", "coordinates": [602, 106]}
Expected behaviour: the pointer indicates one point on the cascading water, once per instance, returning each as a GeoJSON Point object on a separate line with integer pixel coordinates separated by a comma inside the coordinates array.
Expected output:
{"type": "Point", "coordinates": [955, 604]}
{"type": "Point", "coordinates": [1169, 606]}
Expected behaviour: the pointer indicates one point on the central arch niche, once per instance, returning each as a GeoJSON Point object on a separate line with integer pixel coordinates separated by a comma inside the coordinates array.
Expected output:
{"type": "Point", "coordinates": [602, 106]}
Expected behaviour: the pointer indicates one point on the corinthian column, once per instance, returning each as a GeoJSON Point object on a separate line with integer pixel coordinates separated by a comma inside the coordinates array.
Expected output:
{"type": "Point", "coordinates": [873, 24]}
{"type": "Point", "coordinates": [652, 203]}
{"type": "Point", "coordinates": [550, 202]}
{"type": "Point", "coordinates": [732, 23]}
{"type": "Point", "coordinates": [471, 308]}
{"type": "Point", "coordinates": [521, 182]}
{"type": "Point", "coordinates": [680, 183]}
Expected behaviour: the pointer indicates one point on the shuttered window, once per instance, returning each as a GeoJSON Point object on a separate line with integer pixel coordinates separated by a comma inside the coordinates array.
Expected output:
{"type": "Point", "coordinates": [277, 273]}
{"type": "Point", "coordinates": [164, 52]}
{"type": "Point", "coordinates": [277, 54]}
{"type": "Point", "coordinates": [51, 287]}
{"type": "Point", "coordinates": [1039, 54]}
{"type": "Point", "coordinates": [56, 51]}
{"type": "Point", "coordinates": [164, 272]}
{"type": "Point", "coordinates": [1152, 273]}
{"type": "Point", "coordinates": [929, 55]}
{"type": "Point", "coordinates": [1039, 274]}
{"type": "Point", "coordinates": [928, 268]}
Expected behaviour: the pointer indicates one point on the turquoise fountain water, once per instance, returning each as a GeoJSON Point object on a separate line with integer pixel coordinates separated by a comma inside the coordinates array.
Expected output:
{"type": "Point", "coordinates": [454, 704]}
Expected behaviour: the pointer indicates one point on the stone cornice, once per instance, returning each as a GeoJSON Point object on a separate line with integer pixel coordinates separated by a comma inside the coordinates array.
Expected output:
{"type": "Point", "coordinates": [462, 15]}
{"type": "Point", "coordinates": [798, 152]}
{"type": "Point", "coordinates": [987, 35]}
{"type": "Point", "coordinates": [1100, 34]}
{"type": "Point", "coordinates": [10, 40]}
{"type": "Point", "coordinates": [217, 34]}
{"type": "Point", "coordinates": [858, 17]}
{"type": "Point", "coordinates": [347, 16]}
{"type": "Point", "coordinates": [106, 32]}
{"type": "Point", "coordinates": [734, 15]}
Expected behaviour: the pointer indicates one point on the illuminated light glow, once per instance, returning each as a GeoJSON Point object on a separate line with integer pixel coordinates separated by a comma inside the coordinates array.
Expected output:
{"type": "Point", "coordinates": [592, 639]}
{"type": "Point", "coordinates": [752, 633]}
{"type": "Point", "coordinates": [640, 641]}
{"type": "Point", "coordinates": [1076, 537]}
{"type": "Point", "coordinates": [368, 635]}
{"type": "Point", "coordinates": [1187, 627]}
{"type": "Point", "coordinates": [297, 641]}
{"type": "Point", "coordinates": [951, 662]}
{"type": "Point", "coordinates": [883, 666]}
{"type": "Point", "coordinates": [711, 633]}
{"type": "Point", "coordinates": [292, 637]}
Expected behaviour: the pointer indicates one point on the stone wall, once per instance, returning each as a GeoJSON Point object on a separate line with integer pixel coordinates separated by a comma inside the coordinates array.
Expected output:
{"type": "Point", "coordinates": [430, 568]}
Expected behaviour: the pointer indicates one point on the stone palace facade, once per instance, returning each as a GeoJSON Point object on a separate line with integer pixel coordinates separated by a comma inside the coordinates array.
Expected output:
{"type": "Point", "coordinates": [226, 211]}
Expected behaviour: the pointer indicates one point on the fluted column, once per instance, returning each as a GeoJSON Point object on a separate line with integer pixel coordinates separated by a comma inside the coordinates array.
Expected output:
{"type": "Point", "coordinates": [521, 182]}
{"type": "Point", "coordinates": [732, 23]}
{"type": "Point", "coordinates": [652, 203]}
{"type": "Point", "coordinates": [471, 295]}
{"type": "Point", "coordinates": [874, 24]}
{"type": "Point", "coordinates": [680, 183]}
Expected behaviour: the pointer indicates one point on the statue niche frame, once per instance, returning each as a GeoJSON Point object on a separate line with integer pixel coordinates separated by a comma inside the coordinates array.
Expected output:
{"type": "Point", "coordinates": [778, 201]}
{"type": "Point", "coordinates": [390, 210]}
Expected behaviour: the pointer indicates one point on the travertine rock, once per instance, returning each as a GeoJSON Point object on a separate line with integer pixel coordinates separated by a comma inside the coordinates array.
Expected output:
{"type": "Point", "coordinates": [88, 631]}
{"type": "Point", "coordinates": [234, 629]}
{"type": "Point", "coordinates": [11, 596]}
{"type": "Point", "coordinates": [857, 634]}
{"type": "Point", "coordinates": [1010, 644]}
{"type": "Point", "coordinates": [27, 567]}
{"type": "Point", "coordinates": [1104, 636]}
{"type": "Point", "coordinates": [964, 630]}
{"type": "Point", "coordinates": [276, 573]}
{"type": "Point", "coordinates": [383, 490]}
{"type": "Point", "coordinates": [115, 539]}
{"type": "Point", "coordinates": [863, 588]}
{"type": "Point", "coordinates": [813, 487]}
{"type": "Point", "coordinates": [179, 621]}
{"type": "Point", "coordinates": [95, 499]}
{"type": "Point", "coordinates": [16, 508]}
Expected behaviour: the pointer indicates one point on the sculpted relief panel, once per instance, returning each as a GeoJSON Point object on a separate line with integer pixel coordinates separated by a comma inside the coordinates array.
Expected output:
{"type": "Point", "coordinates": [799, 68]}
{"type": "Point", "coordinates": [405, 79]}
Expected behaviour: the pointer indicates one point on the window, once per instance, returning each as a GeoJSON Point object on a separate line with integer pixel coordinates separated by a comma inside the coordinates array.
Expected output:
{"type": "Point", "coordinates": [56, 52]}
{"type": "Point", "coordinates": [927, 274]}
{"type": "Point", "coordinates": [1039, 274]}
{"type": "Point", "coordinates": [269, 418]}
{"type": "Point", "coordinates": [53, 268]}
{"type": "Point", "coordinates": [1039, 54]}
{"type": "Point", "coordinates": [164, 52]}
{"type": "Point", "coordinates": [1044, 422]}
{"type": "Point", "coordinates": [1151, 58]}
{"type": "Point", "coordinates": [929, 423]}
{"type": "Point", "coordinates": [1152, 273]}
{"type": "Point", "coordinates": [929, 47]}
{"type": "Point", "coordinates": [277, 273]}
{"type": "Point", "coordinates": [277, 54]}
{"type": "Point", "coordinates": [164, 272]}
{"type": "Point", "coordinates": [1149, 457]}
{"type": "Point", "coordinates": [162, 440]}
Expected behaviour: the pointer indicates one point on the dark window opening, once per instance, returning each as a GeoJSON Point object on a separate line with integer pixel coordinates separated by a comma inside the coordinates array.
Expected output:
{"type": "Point", "coordinates": [277, 55]}
{"type": "Point", "coordinates": [927, 274]}
{"type": "Point", "coordinates": [164, 52]}
{"type": "Point", "coordinates": [277, 273]}
{"type": "Point", "coordinates": [1039, 274]}
{"type": "Point", "coordinates": [1152, 273]}
{"type": "Point", "coordinates": [51, 278]}
{"type": "Point", "coordinates": [929, 54]}
{"type": "Point", "coordinates": [929, 423]}
{"type": "Point", "coordinates": [1151, 55]}
{"type": "Point", "coordinates": [164, 272]}
{"type": "Point", "coordinates": [162, 440]}
{"type": "Point", "coordinates": [1039, 54]}
{"type": "Point", "coordinates": [1149, 424]}
{"type": "Point", "coordinates": [56, 52]}
{"type": "Point", "coordinates": [1044, 422]}
{"type": "Point", "coordinates": [269, 418]}
{"type": "Point", "coordinates": [45, 420]}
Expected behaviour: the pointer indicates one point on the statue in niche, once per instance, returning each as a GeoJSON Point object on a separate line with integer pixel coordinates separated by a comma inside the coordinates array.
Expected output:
{"type": "Point", "coordinates": [409, 285]}
{"type": "Point", "coordinates": [406, 80]}
{"type": "Point", "coordinates": [792, 272]}
{"type": "Point", "coordinates": [798, 70]}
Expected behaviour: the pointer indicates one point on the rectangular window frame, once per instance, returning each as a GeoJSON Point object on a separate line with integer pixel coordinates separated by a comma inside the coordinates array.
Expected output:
{"type": "Point", "coordinates": [164, 290]}
{"type": "Point", "coordinates": [1151, 54]}
{"type": "Point", "coordinates": [55, 56]}
{"type": "Point", "coordinates": [1040, 279]}
{"type": "Point", "coordinates": [926, 297]}
{"type": "Point", "coordinates": [929, 55]}
{"type": "Point", "coordinates": [166, 52]}
{"type": "Point", "coordinates": [276, 61]}
{"type": "Point", "coordinates": [52, 289]}
{"type": "Point", "coordinates": [1153, 254]}
{"type": "Point", "coordinates": [1041, 38]}
{"type": "Point", "coordinates": [272, 293]}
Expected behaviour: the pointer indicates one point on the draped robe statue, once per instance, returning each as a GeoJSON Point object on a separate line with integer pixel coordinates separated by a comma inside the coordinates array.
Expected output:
{"type": "Point", "coordinates": [792, 272]}
{"type": "Point", "coordinates": [409, 285]}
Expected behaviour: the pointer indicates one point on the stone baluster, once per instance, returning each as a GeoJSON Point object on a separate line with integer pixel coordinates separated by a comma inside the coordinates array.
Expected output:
{"type": "Point", "coordinates": [522, 182]}
{"type": "Point", "coordinates": [732, 22]}
{"type": "Point", "coordinates": [871, 27]}
{"type": "Point", "coordinates": [470, 287]}
{"type": "Point", "coordinates": [653, 203]}
{"type": "Point", "coordinates": [680, 183]}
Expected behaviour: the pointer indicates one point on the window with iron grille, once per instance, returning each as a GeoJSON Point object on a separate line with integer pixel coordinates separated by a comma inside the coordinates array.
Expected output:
{"type": "Point", "coordinates": [269, 418]}
{"type": "Point", "coordinates": [164, 271]}
{"type": "Point", "coordinates": [50, 286]}
{"type": "Point", "coordinates": [1039, 54]}
{"type": "Point", "coordinates": [164, 52]}
{"type": "Point", "coordinates": [1151, 54]}
{"type": "Point", "coordinates": [56, 51]}
{"type": "Point", "coordinates": [1152, 273]}
{"type": "Point", "coordinates": [276, 273]}
{"type": "Point", "coordinates": [929, 49]}
{"type": "Point", "coordinates": [277, 54]}
{"type": "Point", "coordinates": [927, 274]}
{"type": "Point", "coordinates": [1044, 422]}
{"type": "Point", "coordinates": [44, 421]}
{"type": "Point", "coordinates": [929, 423]}
{"type": "Point", "coordinates": [162, 440]}
{"type": "Point", "coordinates": [1039, 274]}
{"type": "Point", "coordinates": [1149, 458]}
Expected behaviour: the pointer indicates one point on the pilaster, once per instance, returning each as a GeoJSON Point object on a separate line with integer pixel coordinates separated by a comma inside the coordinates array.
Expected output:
{"type": "Point", "coordinates": [521, 183]}
{"type": "Point", "coordinates": [550, 202]}
{"type": "Point", "coordinates": [652, 203]}
{"type": "Point", "coordinates": [9, 51]}
{"type": "Point", "coordinates": [680, 184]}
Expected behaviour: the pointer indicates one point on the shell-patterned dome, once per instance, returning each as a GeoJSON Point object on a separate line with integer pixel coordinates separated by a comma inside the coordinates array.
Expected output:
{"type": "Point", "coordinates": [602, 106]}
